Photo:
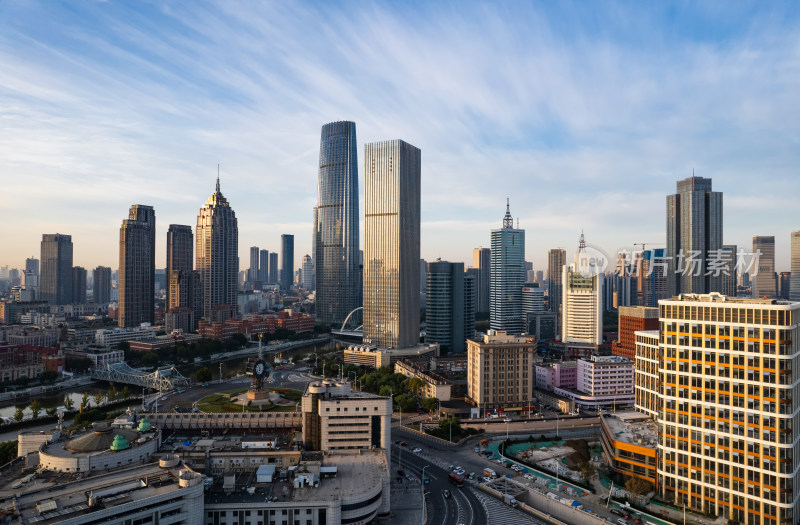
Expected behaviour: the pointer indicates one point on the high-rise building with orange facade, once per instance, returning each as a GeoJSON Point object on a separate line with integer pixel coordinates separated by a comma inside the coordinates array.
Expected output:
{"type": "Point", "coordinates": [633, 319]}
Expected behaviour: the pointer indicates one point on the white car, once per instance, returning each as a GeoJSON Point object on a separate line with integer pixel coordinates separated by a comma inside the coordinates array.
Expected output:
{"type": "Point", "coordinates": [487, 479]}
{"type": "Point", "coordinates": [417, 450]}
{"type": "Point", "coordinates": [527, 476]}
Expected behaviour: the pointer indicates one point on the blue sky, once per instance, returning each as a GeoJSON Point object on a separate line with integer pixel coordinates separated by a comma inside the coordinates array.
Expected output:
{"type": "Point", "coordinates": [584, 114]}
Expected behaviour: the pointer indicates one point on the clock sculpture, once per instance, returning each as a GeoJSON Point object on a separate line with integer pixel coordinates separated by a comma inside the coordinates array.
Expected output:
{"type": "Point", "coordinates": [258, 371]}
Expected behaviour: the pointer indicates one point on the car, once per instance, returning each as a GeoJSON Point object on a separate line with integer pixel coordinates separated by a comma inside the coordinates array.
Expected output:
{"type": "Point", "coordinates": [622, 521]}
{"type": "Point", "coordinates": [163, 398]}
{"type": "Point", "coordinates": [487, 479]}
{"type": "Point", "coordinates": [446, 493]}
{"type": "Point", "coordinates": [451, 468]}
{"type": "Point", "coordinates": [411, 478]}
{"type": "Point", "coordinates": [403, 444]}
{"type": "Point", "coordinates": [417, 450]}
{"type": "Point", "coordinates": [477, 450]}
{"type": "Point", "coordinates": [471, 475]}
{"type": "Point", "coordinates": [204, 384]}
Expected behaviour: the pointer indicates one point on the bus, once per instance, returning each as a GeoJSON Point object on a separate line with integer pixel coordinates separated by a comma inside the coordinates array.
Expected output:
{"type": "Point", "coordinates": [456, 480]}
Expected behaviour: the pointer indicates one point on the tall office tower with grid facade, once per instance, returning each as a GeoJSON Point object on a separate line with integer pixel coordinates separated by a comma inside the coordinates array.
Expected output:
{"type": "Point", "coordinates": [482, 262]}
{"type": "Point", "coordinates": [216, 254]}
{"type": "Point", "coordinates": [335, 230]}
{"type": "Point", "coordinates": [137, 267]}
{"type": "Point", "coordinates": [556, 259]}
{"type": "Point", "coordinates": [582, 307]}
{"type": "Point", "coordinates": [252, 273]}
{"type": "Point", "coordinates": [764, 282]}
{"type": "Point", "coordinates": [180, 252]}
{"type": "Point", "coordinates": [263, 266]}
{"type": "Point", "coordinates": [694, 236]}
{"type": "Point", "coordinates": [55, 281]}
{"type": "Point", "coordinates": [507, 277]}
{"type": "Point", "coordinates": [392, 172]}
{"type": "Point", "coordinates": [728, 408]}
{"type": "Point", "coordinates": [79, 276]}
{"type": "Point", "coordinates": [794, 280]}
{"type": "Point", "coordinates": [101, 285]}
{"type": "Point", "coordinates": [287, 262]}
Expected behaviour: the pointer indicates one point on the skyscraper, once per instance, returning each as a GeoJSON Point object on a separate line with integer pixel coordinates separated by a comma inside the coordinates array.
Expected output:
{"type": "Point", "coordinates": [556, 259]}
{"type": "Point", "coordinates": [694, 235]}
{"type": "Point", "coordinates": [101, 287]}
{"type": "Point", "coordinates": [335, 230]}
{"type": "Point", "coordinates": [263, 267]}
{"type": "Point", "coordinates": [216, 254]}
{"type": "Point", "coordinates": [273, 268]}
{"type": "Point", "coordinates": [794, 280]}
{"type": "Point", "coordinates": [32, 265]}
{"type": "Point", "coordinates": [55, 282]}
{"type": "Point", "coordinates": [392, 172]}
{"type": "Point", "coordinates": [582, 307]}
{"type": "Point", "coordinates": [78, 285]}
{"type": "Point", "coordinates": [764, 282]}
{"type": "Point", "coordinates": [137, 267]}
{"type": "Point", "coordinates": [444, 306]}
{"type": "Point", "coordinates": [252, 274]}
{"type": "Point", "coordinates": [728, 286]}
{"type": "Point", "coordinates": [481, 261]}
{"type": "Point", "coordinates": [180, 249]}
{"type": "Point", "coordinates": [287, 262]}
{"type": "Point", "coordinates": [507, 277]}
{"type": "Point", "coordinates": [307, 271]}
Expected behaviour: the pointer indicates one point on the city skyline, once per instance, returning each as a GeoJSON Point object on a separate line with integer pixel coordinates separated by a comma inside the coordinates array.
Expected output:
{"type": "Point", "coordinates": [612, 121]}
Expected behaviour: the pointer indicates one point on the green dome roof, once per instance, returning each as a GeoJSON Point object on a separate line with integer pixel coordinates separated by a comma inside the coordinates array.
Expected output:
{"type": "Point", "coordinates": [120, 443]}
{"type": "Point", "coordinates": [144, 425]}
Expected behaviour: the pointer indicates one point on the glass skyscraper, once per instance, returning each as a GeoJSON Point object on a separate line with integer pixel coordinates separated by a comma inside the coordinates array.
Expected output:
{"type": "Point", "coordinates": [392, 172]}
{"type": "Point", "coordinates": [287, 262]}
{"type": "Point", "coordinates": [180, 249]}
{"type": "Point", "coordinates": [694, 235]}
{"type": "Point", "coordinates": [507, 277]}
{"type": "Point", "coordinates": [335, 248]}
{"type": "Point", "coordinates": [55, 282]}
{"type": "Point", "coordinates": [137, 267]}
{"type": "Point", "coordinates": [217, 253]}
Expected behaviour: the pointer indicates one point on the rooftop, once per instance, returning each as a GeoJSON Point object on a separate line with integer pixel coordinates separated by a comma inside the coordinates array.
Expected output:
{"type": "Point", "coordinates": [632, 427]}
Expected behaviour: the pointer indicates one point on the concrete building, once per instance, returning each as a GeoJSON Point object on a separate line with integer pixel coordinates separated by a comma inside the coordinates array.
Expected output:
{"type": "Point", "coordinates": [263, 267]}
{"type": "Point", "coordinates": [391, 244]}
{"type": "Point", "coordinates": [252, 272]}
{"type": "Point", "coordinates": [582, 309]}
{"type": "Point", "coordinates": [651, 277]}
{"type": "Point", "coordinates": [101, 285]}
{"type": "Point", "coordinates": [435, 385]}
{"type": "Point", "coordinates": [500, 370]}
{"type": "Point", "coordinates": [287, 262]}
{"type": "Point", "coordinates": [632, 319]}
{"type": "Point", "coordinates": [78, 285]}
{"type": "Point", "coordinates": [180, 256]}
{"type": "Point", "coordinates": [376, 357]}
{"type": "Point", "coordinates": [217, 254]}
{"type": "Point", "coordinates": [606, 378]}
{"type": "Point", "coordinates": [727, 407]}
{"type": "Point", "coordinates": [557, 375]}
{"type": "Point", "coordinates": [647, 370]}
{"type": "Point", "coordinates": [137, 267]}
{"type": "Point", "coordinates": [764, 282]}
{"type": "Point", "coordinates": [784, 285]}
{"type": "Point", "coordinates": [629, 441]}
{"type": "Point", "coordinates": [55, 281]}
{"type": "Point", "coordinates": [543, 326]}
{"type": "Point", "coordinates": [448, 306]}
{"type": "Point", "coordinates": [274, 273]}
{"type": "Point", "coordinates": [335, 232]}
{"type": "Point", "coordinates": [794, 285]}
{"type": "Point", "coordinates": [481, 262]}
{"type": "Point", "coordinates": [308, 274]}
{"type": "Point", "coordinates": [729, 258]}
{"type": "Point", "coordinates": [694, 231]}
{"type": "Point", "coordinates": [532, 299]}
{"type": "Point", "coordinates": [507, 277]}
{"type": "Point", "coordinates": [111, 338]}
{"type": "Point", "coordinates": [556, 259]}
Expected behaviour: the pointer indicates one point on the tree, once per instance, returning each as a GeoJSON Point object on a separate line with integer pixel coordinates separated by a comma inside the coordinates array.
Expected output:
{"type": "Point", "coordinates": [637, 486]}
{"type": "Point", "coordinates": [405, 402]}
{"type": "Point", "coordinates": [203, 375]}
{"type": "Point", "coordinates": [450, 426]}
{"type": "Point", "coordinates": [385, 391]}
{"type": "Point", "coordinates": [85, 401]}
{"type": "Point", "coordinates": [8, 451]}
{"type": "Point", "coordinates": [430, 404]}
{"type": "Point", "coordinates": [48, 376]}
{"type": "Point", "coordinates": [126, 392]}
{"type": "Point", "coordinates": [587, 470]}
{"type": "Point", "coordinates": [19, 413]}
{"type": "Point", "coordinates": [51, 411]}
{"type": "Point", "coordinates": [68, 404]}
{"type": "Point", "coordinates": [113, 394]}
{"type": "Point", "coordinates": [36, 408]}
{"type": "Point", "coordinates": [99, 398]}
{"type": "Point", "coordinates": [150, 359]}
{"type": "Point", "coordinates": [414, 384]}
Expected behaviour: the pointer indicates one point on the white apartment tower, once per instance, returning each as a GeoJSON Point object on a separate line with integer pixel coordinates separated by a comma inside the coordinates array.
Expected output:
{"type": "Point", "coordinates": [582, 306]}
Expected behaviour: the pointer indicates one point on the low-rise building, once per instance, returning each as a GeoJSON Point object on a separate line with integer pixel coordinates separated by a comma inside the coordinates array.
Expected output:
{"type": "Point", "coordinates": [603, 382]}
{"type": "Point", "coordinates": [115, 336]}
{"type": "Point", "coordinates": [164, 341]}
{"type": "Point", "coordinates": [556, 375]}
{"type": "Point", "coordinates": [500, 370]}
{"type": "Point", "coordinates": [18, 361]}
{"type": "Point", "coordinates": [630, 441]}
{"type": "Point", "coordinates": [434, 385]}
{"type": "Point", "coordinates": [100, 356]}
{"type": "Point", "coordinates": [375, 357]}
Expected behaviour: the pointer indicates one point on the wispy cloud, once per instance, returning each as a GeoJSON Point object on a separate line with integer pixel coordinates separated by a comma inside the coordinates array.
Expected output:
{"type": "Point", "coordinates": [584, 115]}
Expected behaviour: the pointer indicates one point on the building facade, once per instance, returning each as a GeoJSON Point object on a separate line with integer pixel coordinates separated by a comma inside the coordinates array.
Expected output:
{"type": "Point", "coordinates": [101, 285]}
{"type": "Point", "coordinates": [252, 272]}
{"type": "Point", "coordinates": [308, 274]}
{"type": "Point", "coordinates": [445, 306]}
{"type": "Point", "coordinates": [648, 364]}
{"type": "Point", "coordinates": [217, 253]}
{"type": "Point", "coordinates": [137, 267]}
{"type": "Point", "coordinates": [336, 228]}
{"type": "Point", "coordinates": [764, 282]}
{"type": "Point", "coordinates": [180, 252]}
{"type": "Point", "coordinates": [631, 320]}
{"type": "Point", "coordinates": [481, 262]}
{"type": "Point", "coordinates": [582, 307]}
{"type": "Point", "coordinates": [727, 409]}
{"type": "Point", "coordinates": [507, 277]}
{"type": "Point", "coordinates": [556, 259]}
{"type": "Point", "coordinates": [532, 299]}
{"type": "Point", "coordinates": [79, 285]}
{"type": "Point", "coordinates": [55, 282]}
{"type": "Point", "coordinates": [287, 262]}
{"type": "Point", "coordinates": [500, 370]}
{"type": "Point", "coordinates": [794, 284]}
{"type": "Point", "coordinates": [263, 267]}
{"type": "Point", "coordinates": [392, 174]}
{"type": "Point", "coordinates": [694, 233]}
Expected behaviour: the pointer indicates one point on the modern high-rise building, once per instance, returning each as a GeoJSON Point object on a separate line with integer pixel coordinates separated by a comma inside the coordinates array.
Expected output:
{"type": "Point", "coordinates": [180, 251]}
{"type": "Point", "coordinates": [78, 285]}
{"type": "Point", "coordinates": [263, 266]}
{"type": "Point", "coordinates": [482, 262]}
{"type": "Point", "coordinates": [582, 307]}
{"type": "Point", "coordinates": [651, 277]}
{"type": "Point", "coordinates": [507, 277]}
{"type": "Point", "coordinates": [556, 259]}
{"type": "Point", "coordinates": [287, 262]}
{"type": "Point", "coordinates": [728, 285]}
{"type": "Point", "coordinates": [445, 306]}
{"type": "Point", "coordinates": [764, 283]}
{"type": "Point", "coordinates": [32, 265]}
{"type": "Point", "coordinates": [694, 234]}
{"type": "Point", "coordinates": [101, 285]}
{"type": "Point", "coordinates": [532, 299]}
{"type": "Point", "coordinates": [137, 267]}
{"type": "Point", "coordinates": [307, 273]}
{"type": "Point", "coordinates": [335, 230]}
{"type": "Point", "coordinates": [274, 274]}
{"type": "Point", "coordinates": [216, 254]}
{"type": "Point", "coordinates": [728, 438]}
{"type": "Point", "coordinates": [55, 282]}
{"type": "Point", "coordinates": [784, 285]}
{"type": "Point", "coordinates": [794, 281]}
{"type": "Point", "coordinates": [631, 320]}
{"type": "Point", "coordinates": [252, 273]}
{"type": "Point", "coordinates": [470, 305]}
{"type": "Point", "coordinates": [392, 176]}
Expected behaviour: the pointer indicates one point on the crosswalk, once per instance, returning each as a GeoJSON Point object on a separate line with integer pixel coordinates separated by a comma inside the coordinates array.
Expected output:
{"type": "Point", "coordinates": [497, 512]}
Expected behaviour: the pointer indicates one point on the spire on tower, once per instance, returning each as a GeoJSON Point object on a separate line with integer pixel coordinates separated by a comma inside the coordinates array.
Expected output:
{"type": "Point", "coordinates": [508, 221]}
{"type": "Point", "coordinates": [217, 178]}
{"type": "Point", "coordinates": [582, 243]}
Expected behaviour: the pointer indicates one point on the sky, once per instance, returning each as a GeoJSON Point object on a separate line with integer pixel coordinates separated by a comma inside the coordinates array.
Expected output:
{"type": "Point", "coordinates": [583, 114]}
